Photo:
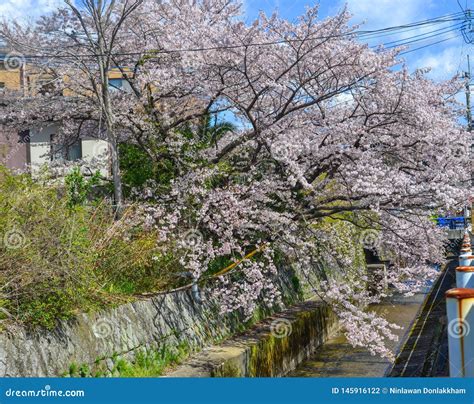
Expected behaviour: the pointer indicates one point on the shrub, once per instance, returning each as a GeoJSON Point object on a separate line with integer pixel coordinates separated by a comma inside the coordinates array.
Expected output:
{"type": "Point", "coordinates": [151, 362]}
{"type": "Point", "coordinates": [78, 187]}
{"type": "Point", "coordinates": [135, 165]}
{"type": "Point", "coordinates": [56, 261]}
{"type": "Point", "coordinates": [148, 362]}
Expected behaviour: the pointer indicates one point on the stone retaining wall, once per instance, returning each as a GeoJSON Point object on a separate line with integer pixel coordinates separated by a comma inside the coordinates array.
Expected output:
{"type": "Point", "coordinates": [167, 319]}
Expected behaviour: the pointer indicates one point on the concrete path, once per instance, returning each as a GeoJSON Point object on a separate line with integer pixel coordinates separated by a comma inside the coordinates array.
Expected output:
{"type": "Point", "coordinates": [338, 358]}
{"type": "Point", "coordinates": [425, 353]}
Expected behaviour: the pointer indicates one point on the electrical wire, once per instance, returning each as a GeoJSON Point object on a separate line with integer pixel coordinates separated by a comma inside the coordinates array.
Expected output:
{"type": "Point", "coordinates": [358, 34]}
{"type": "Point", "coordinates": [399, 33]}
{"type": "Point", "coordinates": [425, 35]}
{"type": "Point", "coordinates": [425, 46]}
{"type": "Point", "coordinates": [421, 39]}
{"type": "Point", "coordinates": [414, 25]}
{"type": "Point", "coordinates": [402, 31]}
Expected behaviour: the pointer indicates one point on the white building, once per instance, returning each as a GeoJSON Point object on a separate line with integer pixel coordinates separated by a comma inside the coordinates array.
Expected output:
{"type": "Point", "coordinates": [43, 149]}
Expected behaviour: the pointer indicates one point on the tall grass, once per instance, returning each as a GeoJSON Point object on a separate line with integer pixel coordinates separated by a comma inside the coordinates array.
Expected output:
{"type": "Point", "coordinates": [56, 261]}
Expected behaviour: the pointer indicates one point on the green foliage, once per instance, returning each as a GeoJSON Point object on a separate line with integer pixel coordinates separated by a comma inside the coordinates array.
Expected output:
{"type": "Point", "coordinates": [136, 166]}
{"type": "Point", "coordinates": [151, 363]}
{"type": "Point", "coordinates": [47, 306]}
{"type": "Point", "coordinates": [147, 363]}
{"type": "Point", "coordinates": [295, 281]}
{"type": "Point", "coordinates": [84, 370]}
{"type": "Point", "coordinates": [208, 131]}
{"type": "Point", "coordinates": [56, 261]}
{"type": "Point", "coordinates": [78, 187]}
{"type": "Point", "coordinates": [73, 369]}
{"type": "Point", "coordinates": [218, 264]}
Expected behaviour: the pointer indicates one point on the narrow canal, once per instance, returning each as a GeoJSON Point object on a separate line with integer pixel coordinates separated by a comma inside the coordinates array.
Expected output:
{"type": "Point", "coordinates": [420, 351]}
{"type": "Point", "coordinates": [338, 358]}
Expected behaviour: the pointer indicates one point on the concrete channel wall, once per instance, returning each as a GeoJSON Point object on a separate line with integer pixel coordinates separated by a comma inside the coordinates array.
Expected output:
{"type": "Point", "coordinates": [163, 320]}
{"type": "Point", "coordinates": [272, 348]}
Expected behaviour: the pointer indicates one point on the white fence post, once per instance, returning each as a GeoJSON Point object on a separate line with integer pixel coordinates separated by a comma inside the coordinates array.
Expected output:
{"type": "Point", "coordinates": [465, 260]}
{"type": "Point", "coordinates": [465, 277]}
{"type": "Point", "coordinates": [460, 310]}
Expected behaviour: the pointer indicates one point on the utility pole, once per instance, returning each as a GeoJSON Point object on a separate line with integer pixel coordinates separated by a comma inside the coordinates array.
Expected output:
{"type": "Point", "coordinates": [467, 76]}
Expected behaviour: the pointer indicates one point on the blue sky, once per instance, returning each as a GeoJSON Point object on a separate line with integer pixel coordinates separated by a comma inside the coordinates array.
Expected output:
{"type": "Point", "coordinates": [445, 59]}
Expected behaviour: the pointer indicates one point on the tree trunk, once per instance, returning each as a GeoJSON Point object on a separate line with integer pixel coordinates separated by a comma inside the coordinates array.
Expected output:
{"type": "Point", "coordinates": [111, 138]}
{"type": "Point", "coordinates": [115, 165]}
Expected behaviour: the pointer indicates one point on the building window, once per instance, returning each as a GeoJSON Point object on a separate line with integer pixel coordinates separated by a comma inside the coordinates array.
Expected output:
{"type": "Point", "coordinates": [116, 83]}
{"type": "Point", "coordinates": [24, 136]}
{"type": "Point", "coordinates": [74, 151]}
{"type": "Point", "coordinates": [65, 152]}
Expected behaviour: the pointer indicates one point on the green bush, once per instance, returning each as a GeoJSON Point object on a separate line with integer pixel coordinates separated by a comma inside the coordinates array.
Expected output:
{"type": "Point", "coordinates": [150, 363]}
{"type": "Point", "coordinates": [56, 261]}
{"type": "Point", "coordinates": [136, 166]}
{"type": "Point", "coordinates": [78, 187]}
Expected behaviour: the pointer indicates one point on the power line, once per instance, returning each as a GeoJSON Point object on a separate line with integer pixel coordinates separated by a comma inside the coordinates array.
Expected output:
{"type": "Point", "coordinates": [359, 34]}
{"type": "Point", "coordinates": [401, 31]}
{"type": "Point", "coordinates": [421, 39]}
{"type": "Point", "coordinates": [425, 46]}
{"type": "Point", "coordinates": [415, 25]}
{"type": "Point", "coordinates": [467, 35]}
{"type": "Point", "coordinates": [400, 42]}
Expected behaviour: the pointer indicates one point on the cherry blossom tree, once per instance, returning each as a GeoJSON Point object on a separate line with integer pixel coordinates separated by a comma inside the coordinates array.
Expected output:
{"type": "Point", "coordinates": [74, 49]}
{"type": "Point", "coordinates": [339, 147]}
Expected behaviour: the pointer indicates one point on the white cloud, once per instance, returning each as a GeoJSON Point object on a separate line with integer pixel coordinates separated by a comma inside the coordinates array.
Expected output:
{"type": "Point", "coordinates": [444, 63]}
{"type": "Point", "coordinates": [377, 14]}
{"type": "Point", "coordinates": [444, 59]}
{"type": "Point", "coordinates": [24, 10]}
{"type": "Point", "coordinates": [386, 13]}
